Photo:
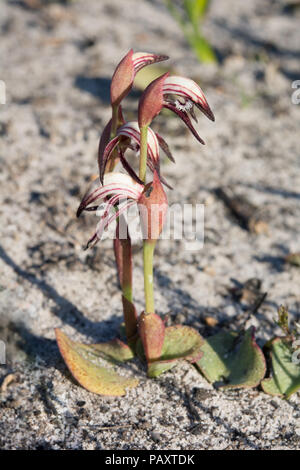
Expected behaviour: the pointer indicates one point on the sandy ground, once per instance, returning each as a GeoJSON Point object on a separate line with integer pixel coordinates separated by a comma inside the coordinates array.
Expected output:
{"type": "Point", "coordinates": [56, 63]}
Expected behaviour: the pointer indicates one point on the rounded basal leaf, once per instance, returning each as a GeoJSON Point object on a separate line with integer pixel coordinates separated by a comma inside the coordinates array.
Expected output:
{"type": "Point", "coordinates": [215, 358]}
{"type": "Point", "coordinates": [285, 378]}
{"type": "Point", "coordinates": [89, 364]}
{"type": "Point", "coordinates": [180, 342]}
{"type": "Point", "coordinates": [159, 367]}
{"type": "Point", "coordinates": [114, 351]}
{"type": "Point", "coordinates": [232, 361]}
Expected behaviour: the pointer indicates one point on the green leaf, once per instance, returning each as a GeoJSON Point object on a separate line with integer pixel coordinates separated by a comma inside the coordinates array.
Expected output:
{"type": "Point", "coordinates": [202, 48]}
{"type": "Point", "coordinates": [114, 351]}
{"type": "Point", "coordinates": [180, 343]}
{"type": "Point", "coordinates": [285, 378]}
{"type": "Point", "coordinates": [88, 364]}
{"type": "Point", "coordinates": [189, 23]}
{"type": "Point", "coordinates": [232, 361]}
{"type": "Point", "coordinates": [195, 10]}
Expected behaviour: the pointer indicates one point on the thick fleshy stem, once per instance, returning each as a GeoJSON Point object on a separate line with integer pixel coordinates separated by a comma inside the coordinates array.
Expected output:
{"type": "Point", "coordinates": [123, 255]}
{"type": "Point", "coordinates": [148, 245]}
{"type": "Point", "coordinates": [148, 251]}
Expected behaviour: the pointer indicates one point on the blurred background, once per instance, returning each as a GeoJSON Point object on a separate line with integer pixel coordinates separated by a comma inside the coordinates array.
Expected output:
{"type": "Point", "coordinates": [56, 60]}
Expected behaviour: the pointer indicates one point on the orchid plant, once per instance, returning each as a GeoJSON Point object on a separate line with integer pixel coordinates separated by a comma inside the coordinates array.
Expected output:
{"type": "Point", "coordinates": [228, 356]}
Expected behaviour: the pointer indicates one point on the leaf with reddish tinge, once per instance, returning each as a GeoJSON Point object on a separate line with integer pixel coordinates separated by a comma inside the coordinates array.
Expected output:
{"type": "Point", "coordinates": [88, 364]}
{"type": "Point", "coordinates": [180, 343]}
{"type": "Point", "coordinates": [114, 351]}
{"type": "Point", "coordinates": [285, 378]}
{"type": "Point", "coordinates": [232, 361]}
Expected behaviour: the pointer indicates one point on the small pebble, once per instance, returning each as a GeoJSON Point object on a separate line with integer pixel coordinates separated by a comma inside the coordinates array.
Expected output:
{"type": "Point", "coordinates": [155, 436]}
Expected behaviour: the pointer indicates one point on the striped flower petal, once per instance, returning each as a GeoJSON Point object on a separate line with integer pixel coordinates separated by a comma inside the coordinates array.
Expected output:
{"type": "Point", "coordinates": [190, 91]}
{"type": "Point", "coordinates": [105, 222]}
{"type": "Point", "coordinates": [131, 129]}
{"type": "Point", "coordinates": [104, 140]}
{"type": "Point", "coordinates": [179, 94]}
{"type": "Point", "coordinates": [141, 59]}
{"type": "Point", "coordinates": [114, 184]}
{"type": "Point", "coordinates": [123, 192]}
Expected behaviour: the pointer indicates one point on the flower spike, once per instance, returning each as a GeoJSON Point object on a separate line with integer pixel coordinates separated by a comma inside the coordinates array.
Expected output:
{"type": "Point", "coordinates": [109, 196]}
{"type": "Point", "coordinates": [125, 72]}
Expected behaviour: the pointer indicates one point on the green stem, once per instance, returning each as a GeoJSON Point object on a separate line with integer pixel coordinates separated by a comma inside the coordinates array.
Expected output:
{"type": "Point", "coordinates": [148, 251]}
{"type": "Point", "coordinates": [148, 245]}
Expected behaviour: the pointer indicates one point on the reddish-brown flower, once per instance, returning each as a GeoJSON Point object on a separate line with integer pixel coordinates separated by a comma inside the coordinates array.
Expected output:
{"type": "Point", "coordinates": [128, 136]}
{"type": "Point", "coordinates": [125, 72]}
{"type": "Point", "coordinates": [179, 94]}
{"type": "Point", "coordinates": [120, 191]}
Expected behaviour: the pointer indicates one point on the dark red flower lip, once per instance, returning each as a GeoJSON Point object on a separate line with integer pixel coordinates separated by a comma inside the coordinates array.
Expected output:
{"type": "Point", "coordinates": [190, 91]}
{"type": "Point", "coordinates": [165, 92]}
